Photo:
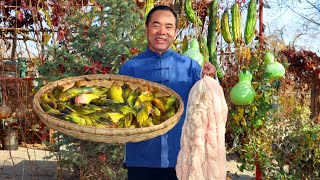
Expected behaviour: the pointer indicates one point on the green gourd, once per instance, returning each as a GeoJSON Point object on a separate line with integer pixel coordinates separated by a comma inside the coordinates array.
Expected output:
{"type": "Point", "coordinates": [194, 44]}
{"type": "Point", "coordinates": [194, 52]}
{"type": "Point", "coordinates": [275, 70]}
{"type": "Point", "coordinates": [243, 92]}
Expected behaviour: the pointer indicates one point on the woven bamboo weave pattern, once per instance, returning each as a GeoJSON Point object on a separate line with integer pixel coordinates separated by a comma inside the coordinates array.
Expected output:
{"type": "Point", "coordinates": [106, 135]}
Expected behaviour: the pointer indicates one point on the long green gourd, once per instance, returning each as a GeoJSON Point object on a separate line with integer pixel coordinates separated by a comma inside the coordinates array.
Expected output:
{"type": "Point", "coordinates": [251, 22]}
{"type": "Point", "coordinates": [212, 36]}
{"type": "Point", "coordinates": [191, 14]}
{"type": "Point", "coordinates": [236, 24]}
{"type": "Point", "coordinates": [204, 48]}
{"type": "Point", "coordinates": [149, 6]}
{"type": "Point", "coordinates": [225, 28]}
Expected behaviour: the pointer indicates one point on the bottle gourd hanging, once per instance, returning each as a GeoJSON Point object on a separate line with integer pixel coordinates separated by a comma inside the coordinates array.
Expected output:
{"type": "Point", "coordinates": [194, 52]}
{"type": "Point", "coordinates": [275, 70]}
{"type": "Point", "coordinates": [243, 92]}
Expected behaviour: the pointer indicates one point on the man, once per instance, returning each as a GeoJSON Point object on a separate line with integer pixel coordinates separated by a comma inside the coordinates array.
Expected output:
{"type": "Point", "coordinates": [156, 158]}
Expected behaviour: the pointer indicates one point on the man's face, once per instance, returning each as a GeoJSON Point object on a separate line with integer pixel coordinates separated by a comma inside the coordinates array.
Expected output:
{"type": "Point", "coordinates": [161, 31]}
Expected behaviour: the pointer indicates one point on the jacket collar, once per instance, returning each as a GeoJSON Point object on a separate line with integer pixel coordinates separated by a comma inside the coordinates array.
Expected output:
{"type": "Point", "coordinates": [157, 55]}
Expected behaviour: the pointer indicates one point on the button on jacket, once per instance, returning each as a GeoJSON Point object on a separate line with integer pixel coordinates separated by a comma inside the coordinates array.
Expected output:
{"type": "Point", "coordinates": [177, 72]}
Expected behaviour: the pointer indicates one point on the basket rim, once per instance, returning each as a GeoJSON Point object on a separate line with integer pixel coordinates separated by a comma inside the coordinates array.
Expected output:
{"type": "Point", "coordinates": [98, 130]}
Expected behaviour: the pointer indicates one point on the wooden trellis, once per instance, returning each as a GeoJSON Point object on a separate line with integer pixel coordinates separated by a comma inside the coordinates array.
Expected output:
{"type": "Point", "coordinates": [17, 88]}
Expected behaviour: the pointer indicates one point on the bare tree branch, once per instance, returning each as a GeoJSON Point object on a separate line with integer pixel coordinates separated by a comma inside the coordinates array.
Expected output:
{"type": "Point", "coordinates": [313, 5]}
{"type": "Point", "coordinates": [301, 15]}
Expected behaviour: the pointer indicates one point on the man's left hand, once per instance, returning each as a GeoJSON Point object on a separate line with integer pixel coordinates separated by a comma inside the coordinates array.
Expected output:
{"type": "Point", "coordinates": [208, 69]}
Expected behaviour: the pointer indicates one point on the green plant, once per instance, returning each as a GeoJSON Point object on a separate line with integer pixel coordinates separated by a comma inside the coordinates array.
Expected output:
{"type": "Point", "coordinates": [295, 143]}
{"type": "Point", "coordinates": [87, 160]}
{"type": "Point", "coordinates": [283, 140]}
{"type": "Point", "coordinates": [96, 39]}
{"type": "Point", "coordinates": [249, 123]}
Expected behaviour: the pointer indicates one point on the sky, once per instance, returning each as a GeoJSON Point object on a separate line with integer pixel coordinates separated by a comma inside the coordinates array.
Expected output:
{"type": "Point", "coordinates": [289, 22]}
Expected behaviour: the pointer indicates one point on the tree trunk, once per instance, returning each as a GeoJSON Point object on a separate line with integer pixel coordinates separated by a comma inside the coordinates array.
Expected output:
{"type": "Point", "coordinates": [315, 101]}
{"type": "Point", "coordinates": [14, 46]}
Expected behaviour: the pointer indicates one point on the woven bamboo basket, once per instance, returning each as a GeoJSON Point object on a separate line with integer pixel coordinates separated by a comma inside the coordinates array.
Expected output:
{"type": "Point", "coordinates": [106, 135]}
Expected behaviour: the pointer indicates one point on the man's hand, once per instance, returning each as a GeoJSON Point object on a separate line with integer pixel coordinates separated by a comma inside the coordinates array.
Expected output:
{"type": "Point", "coordinates": [208, 69]}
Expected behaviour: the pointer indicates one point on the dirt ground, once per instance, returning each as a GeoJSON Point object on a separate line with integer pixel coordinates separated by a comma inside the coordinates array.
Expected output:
{"type": "Point", "coordinates": [233, 171]}
{"type": "Point", "coordinates": [29, 164]}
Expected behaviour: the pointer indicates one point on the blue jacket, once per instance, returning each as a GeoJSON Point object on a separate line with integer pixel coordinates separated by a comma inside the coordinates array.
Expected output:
{"type": "Point", "coordinates": [177, 72]}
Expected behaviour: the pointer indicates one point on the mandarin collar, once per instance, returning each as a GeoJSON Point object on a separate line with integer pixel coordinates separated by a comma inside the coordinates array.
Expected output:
{"type": "Point", "coordinates": [157, 55]}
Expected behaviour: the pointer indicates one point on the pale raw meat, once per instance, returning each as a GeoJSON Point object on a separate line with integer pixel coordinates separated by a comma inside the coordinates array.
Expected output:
{"type": "Point", "coordinates": [203, 155]}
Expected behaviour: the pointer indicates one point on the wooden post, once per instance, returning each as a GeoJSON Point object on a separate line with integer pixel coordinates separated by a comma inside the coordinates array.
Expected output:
{"type": "Point", "coordinates": [258, 168]}
{"type": "Point", "coordinates": [315, 101]}
{"type": "Point", "coordinates": [260, 22]}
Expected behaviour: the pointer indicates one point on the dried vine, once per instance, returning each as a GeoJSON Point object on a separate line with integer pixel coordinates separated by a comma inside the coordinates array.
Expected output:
{"type": "Point", "coordinates": [304, 65]}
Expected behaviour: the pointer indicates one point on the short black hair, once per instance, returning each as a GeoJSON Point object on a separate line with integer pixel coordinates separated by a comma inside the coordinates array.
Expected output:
{"type": "Point", "coordinates": [161, 7]}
